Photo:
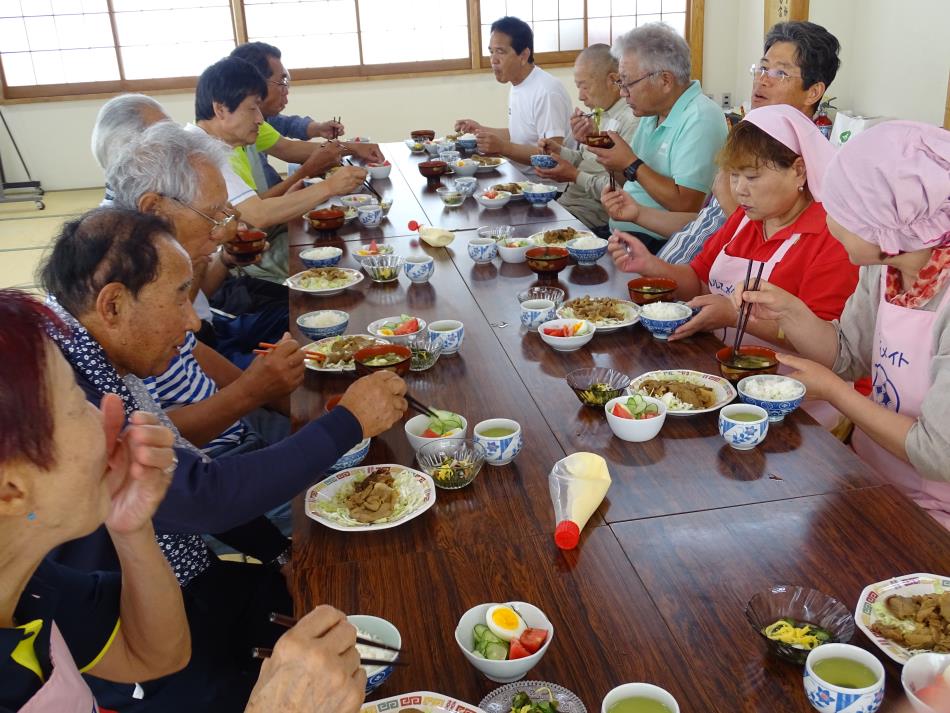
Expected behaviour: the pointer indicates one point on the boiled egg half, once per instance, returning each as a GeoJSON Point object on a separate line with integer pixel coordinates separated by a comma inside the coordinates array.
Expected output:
{"type": "Point", "coordinates": [504, 622]}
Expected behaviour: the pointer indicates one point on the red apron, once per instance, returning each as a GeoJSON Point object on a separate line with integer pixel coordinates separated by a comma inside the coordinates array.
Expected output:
{"type": "Point", "coordinates": [903, 352]}
{"type": "Point", "coordinates": [65, 691]}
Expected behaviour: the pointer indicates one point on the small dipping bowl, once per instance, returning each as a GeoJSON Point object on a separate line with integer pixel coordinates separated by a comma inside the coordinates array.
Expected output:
{"type": "Point", "coordinates": [321, 257]}
{"type": "Point", "coordinates": [825, 696]}
{"type": "Point", "coordinates": [495, 232]}
{"type": "Point", "coordinates": [382, 268]}
{"type": "Point", "coordinates": [743, 426]}
{"type": "Point", "coordinates": [547, 261]}
{"type": "Point", "coordinates": [307, 323]}
{"type": "Point", "coordinates": [645, 290]}
{"type": "Point", "coordinates": [765, 362]}
{"type": "Point", "coordinates": [541, 160]}
{"type": "Point", "coordinates": [419, 268]}
{"type": "Point", "coordinates": [595, 386]}
{"type": "Point", "coordinates": [432, 459]}
{"type": "Point", "coordinates": [401, 367]}
{"type": "Point", "coordinates": [451, 198]}
{"type": "Point", "coordinates": [482, 250]}
{"type": "Point", "coordinates": [778, 408]}
{"type": "Point", "coordinates": [500, 449]}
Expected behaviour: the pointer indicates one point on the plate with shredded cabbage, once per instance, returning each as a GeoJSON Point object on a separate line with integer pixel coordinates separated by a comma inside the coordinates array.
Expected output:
{"type": "Point", "coordinates": [372, 497]}
{"type": "Point", "coordinates": [684, 391]}
{"type": "Point", "coordinates": [324, 281]}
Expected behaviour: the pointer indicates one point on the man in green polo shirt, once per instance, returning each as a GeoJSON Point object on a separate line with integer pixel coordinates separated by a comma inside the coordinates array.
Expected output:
{"type": "Point", "coordinates": [671, 162]}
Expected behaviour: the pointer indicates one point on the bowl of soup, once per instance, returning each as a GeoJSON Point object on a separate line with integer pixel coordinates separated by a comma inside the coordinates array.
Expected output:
{"type": "Point", "coordinates": [600, 140]}
{"type": "Point", "coordinates": [246, 246]}
{"type": "Point", "coordinates": [433, 169]}
{"type": "Point", "coordinates": [645, 290]}
{"type": "Point", "coordinates": [547, 261]}
{"type": "Point", "coordinates": [383, 357]}
{"type": "Point", "coordinates": [746, 361]}
{"type": "Point", "coordinates": [326, 219]}
{"type": "Point", "coordinates": [422, 134]}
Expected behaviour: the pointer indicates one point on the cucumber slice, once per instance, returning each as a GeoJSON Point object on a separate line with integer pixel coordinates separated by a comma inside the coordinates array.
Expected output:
{"type": "Point", "coordinates": [496, 652]}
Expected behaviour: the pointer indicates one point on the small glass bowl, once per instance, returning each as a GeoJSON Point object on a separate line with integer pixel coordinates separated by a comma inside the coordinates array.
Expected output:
{"type": "Point", "coordinates": [383, 268]}
{"type": "Point", "coordinates": [495, 232]}
{"type": "Point", "coordinates": [555, 294]}
{"type": "Point", "coordinates": [803, 605]}
{"type": "Point", "coordinates": [582, 380]}
{"type": "Point", "coordinates": [451, 197]}
{"type": "Point", "coordinates": [426, 351]}
{"type": "Point", "coordinates": [433, 455]}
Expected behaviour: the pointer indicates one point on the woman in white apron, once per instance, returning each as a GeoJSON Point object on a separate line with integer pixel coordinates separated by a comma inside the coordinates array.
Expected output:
{"type": "Point", "coordinates": [888, 200]}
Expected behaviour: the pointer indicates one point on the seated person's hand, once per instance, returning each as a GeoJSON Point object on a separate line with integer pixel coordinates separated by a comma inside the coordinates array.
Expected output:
{"type": "Point", "coordinates": [620, 205]}
{"type": "Point", "coordinates": [467, 126]}
{"type": "Point", "coordinates": [315, 668]}
{"type": "Point", "coordinates": [275, 374]}
{"type": "Point", "coordinates": [629, 254]}
{"type": "Point", "coordinates": [366, 152]}
{"type": "Point", "coordinates": [488, 142]}
{"type": "Point", "coordinates": [563, 171]}
{"type": "Point", "coordinates": [550, 147]}
{"type": "Point", "coordinates": [345, 180]}
{"type": "Point", "coordinates": [715, 312]}
{"type": "Point", "coordinates": [326, 129]}
{"type": "Point", "coordinates": [770, 303]}
{"type": "Point", "coordinates": [321, 159]}
{"type": "Point", "coordinates": [617, 158]}
{"type": "Point", "coordinates": [376, 401]}
{"type": "Point", "coordinates": [581, 126]}
{"type": "Point", "coordinates": [821, 383]}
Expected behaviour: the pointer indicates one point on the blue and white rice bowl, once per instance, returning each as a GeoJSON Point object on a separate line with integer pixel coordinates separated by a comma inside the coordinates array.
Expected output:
{"type": "Point", "coordinates": [374, 627]}
{"type": "Point", "coordinates": [323, 323]}
{"type": "Point", "coordinates": [321, 257]}
{"type": "Point", "coordinates": [667, 317]}
{"type": "Point", "coordinates": [353, 457]}
{"type": "Point", "coordinates": [542, 160]}
{"type": "Point", "coordinates": [539, 193]}
{"type": "Point", "coordinates": [778, 395]}
{"type": "Point", "coordinates": [587, 249]}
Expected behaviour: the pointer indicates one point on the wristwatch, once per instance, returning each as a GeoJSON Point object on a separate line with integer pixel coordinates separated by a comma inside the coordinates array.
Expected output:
{"type": "Point", "coordinates": [281, 559]}
{"type": "Point", "coordinates": [630, 172]}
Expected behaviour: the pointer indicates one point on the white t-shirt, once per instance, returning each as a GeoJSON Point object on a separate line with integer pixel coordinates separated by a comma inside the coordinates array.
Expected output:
{"type": "Point", "coordinates": [238, 190]}
{"type": "Point", "coordinates": [539, 107]}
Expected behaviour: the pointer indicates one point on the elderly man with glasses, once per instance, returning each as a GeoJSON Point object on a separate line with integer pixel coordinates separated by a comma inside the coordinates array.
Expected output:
{"type": "Point", "coordinates": [671, 161]}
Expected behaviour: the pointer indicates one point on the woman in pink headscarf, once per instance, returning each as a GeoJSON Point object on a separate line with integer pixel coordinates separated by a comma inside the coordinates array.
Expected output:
{"type": "Point", "coordinates": [775, 159]}
{"type": "Point", "coordinates": [887, 195]}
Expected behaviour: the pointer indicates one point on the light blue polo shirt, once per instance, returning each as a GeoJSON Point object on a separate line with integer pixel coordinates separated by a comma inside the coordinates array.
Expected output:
{"type": "Point", "coordinates": [683, 147]}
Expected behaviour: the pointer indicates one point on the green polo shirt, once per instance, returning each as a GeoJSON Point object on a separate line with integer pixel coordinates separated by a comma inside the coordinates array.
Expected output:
{"type": "Point", "coordinates": [683, 147]}
{"type": "Point", "coordinates": [267, 136]}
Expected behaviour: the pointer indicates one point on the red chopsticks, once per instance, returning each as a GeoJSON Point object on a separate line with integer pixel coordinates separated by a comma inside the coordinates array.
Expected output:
{"type": "Point", "coordinates": [267, 347]}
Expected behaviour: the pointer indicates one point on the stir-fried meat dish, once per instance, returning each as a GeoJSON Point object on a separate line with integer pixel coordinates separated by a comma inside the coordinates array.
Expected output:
{"type": "Point", "coordinates": [598, 309]}
{"type": "Point", "coordinates": [697, 396]}
{"type": "Point", "coordinates": [561, 235]}
{"type": "Point", "coordinates": [373, 498]}
{"type": "Point", "coordinates": [930, 615]}
{"type": "Point", "coordinates": [485, 160]}
{"type": "Point", "coordinates": [343, 349]}
{"type": "Point", "coordinates": [513, 188]}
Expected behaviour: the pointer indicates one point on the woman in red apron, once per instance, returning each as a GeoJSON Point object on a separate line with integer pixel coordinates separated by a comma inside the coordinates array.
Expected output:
{"type": "Point", "coordinates": [888, 200]}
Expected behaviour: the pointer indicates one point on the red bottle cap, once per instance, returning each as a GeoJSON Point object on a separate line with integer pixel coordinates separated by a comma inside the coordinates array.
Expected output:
{"type": "Point", "coordinates": [567, 534]}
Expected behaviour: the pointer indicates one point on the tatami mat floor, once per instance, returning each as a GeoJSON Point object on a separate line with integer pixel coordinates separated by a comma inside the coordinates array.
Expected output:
{"type": "Point", "coordinates": [26, 233]}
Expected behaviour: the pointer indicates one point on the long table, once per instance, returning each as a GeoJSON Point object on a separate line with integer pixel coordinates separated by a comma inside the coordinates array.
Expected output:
{"type": "Point", "coordinates": [690, 528]}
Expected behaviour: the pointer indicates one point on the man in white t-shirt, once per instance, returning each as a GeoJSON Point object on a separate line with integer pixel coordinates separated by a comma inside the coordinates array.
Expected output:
{"type": "Point", "coordinates": [539, 106]}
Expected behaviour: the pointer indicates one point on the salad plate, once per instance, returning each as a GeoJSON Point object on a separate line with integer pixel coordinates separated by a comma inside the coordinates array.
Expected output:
{"type": "Point", "coordinates": [326, 501]}
{"type": "Point", "coordinates": [325, 346]}
{"type": "Point", "coordinates": [604, 326]}
{"type": "Point", "coordinates": [723, 391]}
{"type": "Point", "coordinates": [324, 281]}
{"type": "Point", "coordinates": [499, 700]}
{"type": "Point", "coordinates": [871, 608]}
{"type": "Point", "coordinates": [420, 701]}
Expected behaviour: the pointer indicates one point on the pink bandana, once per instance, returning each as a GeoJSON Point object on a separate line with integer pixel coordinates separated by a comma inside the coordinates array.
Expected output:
{"type": "Point", "coordinates": [890, 185]}
{"type": "Point", "coordinates": [799, 133]}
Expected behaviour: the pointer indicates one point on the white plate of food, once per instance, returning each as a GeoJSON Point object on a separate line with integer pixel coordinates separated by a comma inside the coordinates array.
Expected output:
{"type": "Point", "coordinates": [420, 702]}
{"type": "Point", "coordinates": [339, 351]}
{"type": "Point", "coordinates": [560, 236]}
{"type": "Point", "coordinates": [324, 281]}
{"type": "Point", "coordinates": [608, 314]}
{"type": "Point", "coordinates": [515, 188]}
{"type": "Point", "coordinates": [371, 497]}
{"type": "Point", "coordinates": [886, 613]}
{"type": "Point", "coordinates": [488, 163]}
{"type": "Point", "coordinates": [684, 391]}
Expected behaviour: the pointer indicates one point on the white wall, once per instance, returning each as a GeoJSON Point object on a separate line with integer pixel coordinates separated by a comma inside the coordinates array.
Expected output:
{"type": "Point", "coordinates": [895, 61]}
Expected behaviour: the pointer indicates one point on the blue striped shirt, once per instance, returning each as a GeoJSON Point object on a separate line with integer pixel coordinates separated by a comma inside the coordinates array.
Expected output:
{"type": "Point", "coordinates": [684, 245]}
{"type": "Point", "coordinates": [185, 382]}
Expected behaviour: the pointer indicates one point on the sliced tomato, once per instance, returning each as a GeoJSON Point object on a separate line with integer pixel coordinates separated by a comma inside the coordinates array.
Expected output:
{"type": "Point", "coordinates": [410, 326]}
{"type": "Point", "coordinates": [517, 651]}
{"type": "Point", "coordinates": [429, 433]}
{"type": "Point", "coordinates": [644, 416]}
{"type": "Point", "coordinates": [533, 639]}
{"type": "Point", "coordinates": [619, 411]}
{"type": "Point", "coordinates": [557, 332]}
{"type": "Point", "coordinates": [373, 247]}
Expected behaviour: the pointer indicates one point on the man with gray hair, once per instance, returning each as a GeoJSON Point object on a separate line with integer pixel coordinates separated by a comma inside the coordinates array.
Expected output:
{"type": "Point", "coordinates": [670, 163]}
{"type": "Point", "coordinates": [595, 76]}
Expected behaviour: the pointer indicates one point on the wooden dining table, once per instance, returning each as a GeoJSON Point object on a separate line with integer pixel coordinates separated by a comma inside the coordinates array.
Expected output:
{"type": "Point", "coordinates": [690, 528]}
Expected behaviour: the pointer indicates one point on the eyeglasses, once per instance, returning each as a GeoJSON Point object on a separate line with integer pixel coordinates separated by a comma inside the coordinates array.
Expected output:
{"type": "Point", "coordinates": [778, 75]}
{"type": "Point", "coordinates": [283, 83]}
{"type": "Point", "coordinates": [619, 83]}
{"type": "Point", "coordinates": [216, 224]}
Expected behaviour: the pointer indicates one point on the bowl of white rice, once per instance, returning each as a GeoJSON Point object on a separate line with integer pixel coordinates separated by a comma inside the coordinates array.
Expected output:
{"type": "Point", "coordinates": [587, 250]}
{"type": "Point", "coordinates": [323, 323]}
{"type": "Point", "coordinates": [376, 629]}
{"type": "Point", "coordinates": [664, 318]}
{"type": "Point", "coordinates": [778, 395]}
{"type": "Point", "coordinates": [321, 257]}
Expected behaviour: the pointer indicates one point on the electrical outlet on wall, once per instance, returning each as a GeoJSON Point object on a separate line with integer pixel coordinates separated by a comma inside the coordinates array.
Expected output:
{"type": "Point", "coordinates": [726, 100]}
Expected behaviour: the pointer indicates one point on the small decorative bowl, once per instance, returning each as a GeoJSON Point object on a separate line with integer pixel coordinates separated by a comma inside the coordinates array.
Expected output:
{"type": "Point", "coordinates": [432, 456]}
{"type": "Point", "coordinates": [382, 268]}
{"type": "Point", "coordinates": [426, 351]}
{"type": "Point", "coordinates": [609, 384]}
{"type": "Point", "coordinates": [495, 232]}
{"type": "Point", "coordinates": [541, 160]}
{"type": "Point", "coordinates": [357, 199]}
{"type": "Point", "coordinates": [499, 450]}
{"type": "Point", "coordinates": [327, 219]}
{"type": "Point", "coordinates": [313, 332]}
{"type": "Point", "coordinates": [645, 290]}
{"type": "Point", "coordinates": [482, 250]}
{"type": "Point", "coordinates": [366, 354]}
{"type": "Point", "coordinates": [353, 457]}
{"type": "Point", "coordinates": [734, 372]}
{"type": "Point", "coordinates": [387, 634]}
{"type": "Point", "coordinates": [416, 147]}
{"type": "Point", "coordinates": [422, 135]}
{"type": "Point", "coordinates": [536, 197]}
{"type": "Point", "coordinates": [743, 426]}
{"type": "Point", "coordinates": [465, 167]}
{"type": "Point", "coordinates": [631, 429]}
{"type": "Point", "coordinates": [600, 141]}
{"type": "Point", "coordinates": [379, 172]}
{"type": "Point", "coordinates": [555, 294]}
{"type": "Point", "coordinates": [662, 328]}
{"type": "Point", "coordinates": [825, 696]}
{"type": "Point", "coordinates": [586, 256]}
{"type": "Point", "coordinates": [803, 605]}
{"type": "Point", "coordinates": [509, 670]}
{"type": "Point", "coordinates": [566, 344]}
{"type": "Point", "coordinates": [513, 249]}
{"type": "Point", "coordinates": [451, 198]}
{"type": "Point", "coordinates": [777, 409]}
{"type": "Point", "coordinates": [321, 257]}
{"type": "Point", "coordinates": [466, 185]}
{"type": "Point", "coordinates": [499, 201]}
{"type": "Point", "coordinates": [547, 261]}
{"type": "Point", "coordinates": [419, 268]}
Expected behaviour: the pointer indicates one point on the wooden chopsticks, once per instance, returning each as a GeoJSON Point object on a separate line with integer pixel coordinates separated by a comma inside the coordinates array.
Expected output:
{"type": "Point", "coordinates": [745, 310]}
{"type": "Point", "coordinates": [267, 347]}
{"type": "Point", "coordinates": [259, 652]}
{"type": "Point", "coordinates": [417, 405]}
{"type": "Point", "coordinates": [366, 184]}
{"type": "Point", "coordinates": [334, 130]}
